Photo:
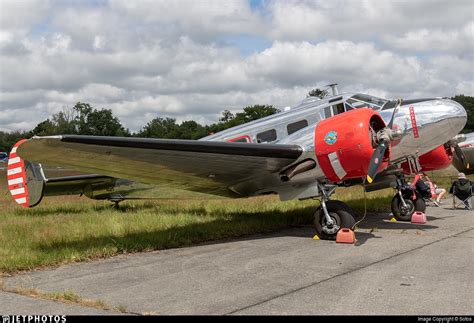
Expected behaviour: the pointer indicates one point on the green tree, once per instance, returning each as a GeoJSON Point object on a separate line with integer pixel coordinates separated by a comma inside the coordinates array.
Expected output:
{"type": "Point", "coordinates": [89, 121]}
{"type": "Point", "coordinates": [60, 123]}
{"type": "Point", "coordinates": [8, 139]}
{"type": "Point", "coordinates": [191, 130]}
{"type": "Point", "coordinates": [159, 128]}
{"type": "Point", "coordinates": [226, 116]}
{"type": "Point", "coordinates": [64, 121]}
{"type": "Point", "coordinates": [256, 112]}
{"type": "Point", "coordinates": [250, 113]}
{"type": "Point", "coordinates": [468, 103]}
{"type": "Point", "coordinates": [45, 128]}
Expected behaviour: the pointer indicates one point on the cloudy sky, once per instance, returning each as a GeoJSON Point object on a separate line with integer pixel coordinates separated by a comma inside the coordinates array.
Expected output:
{"type": "Point", "coordinates": [191, 59]}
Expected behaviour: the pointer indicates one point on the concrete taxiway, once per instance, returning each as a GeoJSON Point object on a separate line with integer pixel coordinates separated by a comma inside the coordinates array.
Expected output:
{"type": "Point", "coordinates": [394, 268]}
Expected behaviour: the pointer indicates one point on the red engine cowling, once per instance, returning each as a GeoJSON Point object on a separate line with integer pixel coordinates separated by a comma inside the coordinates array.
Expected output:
{"type": "Point", "coordinates": [438, 158]}
{"type": "Point", "coordinates": [345, 143]}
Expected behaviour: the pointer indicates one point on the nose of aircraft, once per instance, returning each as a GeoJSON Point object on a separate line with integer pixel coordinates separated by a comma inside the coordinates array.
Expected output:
{"type": "Point", "coordinates": [456, 114]}
{"type": "Point", "coordinates": [440, 120]}
{"type": "Point", "coordinates": [428, 124]}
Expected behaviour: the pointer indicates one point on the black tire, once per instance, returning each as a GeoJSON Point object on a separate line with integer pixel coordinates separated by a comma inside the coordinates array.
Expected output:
{"type": "Point", "coordinates": [342, 206]}
{"type": "Point", "coordinates": [340, 212]}
{"type": "Point", "coordinates": [420, 204]}
{"type": "Point", "coordinates": [399, 212]}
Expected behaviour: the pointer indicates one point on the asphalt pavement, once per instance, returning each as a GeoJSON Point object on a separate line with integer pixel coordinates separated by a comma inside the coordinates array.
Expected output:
{"type": "Point", "coordinates": [394, 268]}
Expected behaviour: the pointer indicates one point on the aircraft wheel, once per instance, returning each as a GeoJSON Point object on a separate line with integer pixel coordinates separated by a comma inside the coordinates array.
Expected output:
{"type": "Point", "coordinates": [342, 206]}
{"type": "Point", "coordinates": [420, 205]}
{"type": "Point", "coordinates": [340, 213]}
{"type": "Point", "coordinates": [399, 211]}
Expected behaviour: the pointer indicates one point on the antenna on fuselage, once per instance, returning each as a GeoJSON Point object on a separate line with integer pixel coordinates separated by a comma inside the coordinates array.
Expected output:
{"type": "Point", "coordinates": [333, 87]}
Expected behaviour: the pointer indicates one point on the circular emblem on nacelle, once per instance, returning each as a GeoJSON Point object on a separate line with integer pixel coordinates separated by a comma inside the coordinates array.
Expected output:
{"type": "Point", "coordinates": [331, 138]}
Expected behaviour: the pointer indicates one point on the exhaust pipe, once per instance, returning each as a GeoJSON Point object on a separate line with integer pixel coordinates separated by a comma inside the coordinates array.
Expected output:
{"type": "Point", "coordinates": [299, 168]}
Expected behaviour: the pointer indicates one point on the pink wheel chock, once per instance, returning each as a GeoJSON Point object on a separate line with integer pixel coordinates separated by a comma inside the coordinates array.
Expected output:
{"type": "Point", "coordinates": [418, 217]}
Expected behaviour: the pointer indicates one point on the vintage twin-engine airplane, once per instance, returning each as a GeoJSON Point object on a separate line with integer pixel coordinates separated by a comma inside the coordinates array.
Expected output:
{"type": "Point", "coordinates": [300, 153]}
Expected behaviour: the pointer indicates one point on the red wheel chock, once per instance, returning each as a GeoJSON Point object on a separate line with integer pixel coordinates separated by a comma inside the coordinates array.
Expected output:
{"type": "Point", "coordinates": [418, 217]}
{"type": "Point", "coordinates": [345, 235]}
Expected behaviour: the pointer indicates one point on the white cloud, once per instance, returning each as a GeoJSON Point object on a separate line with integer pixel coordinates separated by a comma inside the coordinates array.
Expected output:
{"type": "Point", "coordinates": [456, 41]}
{"type": "Point", "coordinates": [359, 20]}
{"type": "Point", "coordinates": [201, 19]}
{"type": "Point", "coordinates": [21, 15]}
{"type": "Point", "coordinates": [145, 59]}
{"type": "Point", "coordinates": [301, 63]}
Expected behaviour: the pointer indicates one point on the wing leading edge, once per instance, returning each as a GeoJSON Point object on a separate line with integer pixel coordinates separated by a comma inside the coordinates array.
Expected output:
{"type": "Point", "coordinates": [204, 166]}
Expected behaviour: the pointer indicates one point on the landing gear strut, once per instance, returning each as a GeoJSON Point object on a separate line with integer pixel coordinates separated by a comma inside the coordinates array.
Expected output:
{"type": "Point", "coordinates": [116, 203]}
{"type": "Point", "coordinates": [332, 215]}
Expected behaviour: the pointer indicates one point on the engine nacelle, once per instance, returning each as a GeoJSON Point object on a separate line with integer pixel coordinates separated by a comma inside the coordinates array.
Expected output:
{"type": "Point", "coordinates": [345, 143]}
{"type": "Point", "coordinates": [438, 158]}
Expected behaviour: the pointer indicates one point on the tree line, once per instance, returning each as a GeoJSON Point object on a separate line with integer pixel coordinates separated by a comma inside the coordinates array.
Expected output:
{"type": "Point", "coordinates": [82, 119]}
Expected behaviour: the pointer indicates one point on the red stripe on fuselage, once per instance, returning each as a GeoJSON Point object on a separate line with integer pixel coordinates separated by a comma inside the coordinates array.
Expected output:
{"type": "Point", "coordinates": [413, 122]}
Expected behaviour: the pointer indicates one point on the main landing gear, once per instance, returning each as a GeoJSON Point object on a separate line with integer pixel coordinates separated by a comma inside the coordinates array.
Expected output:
{"type": "Point", "coordinates": [332, 215]}
{"type": "Point", "coordinates": [406, 201]}
{"type": "Point", "coordinates": [116, 202]}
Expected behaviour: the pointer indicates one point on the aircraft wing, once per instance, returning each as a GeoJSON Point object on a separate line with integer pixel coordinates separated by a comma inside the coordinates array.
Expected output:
{"type": "Point", "coordinates": [204, 166]}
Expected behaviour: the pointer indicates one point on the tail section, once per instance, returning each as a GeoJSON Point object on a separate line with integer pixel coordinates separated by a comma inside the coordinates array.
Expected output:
{"type": "Point", "coordinates": [28, 184]}
{"type": "Point", "coordinates": [25, 180]}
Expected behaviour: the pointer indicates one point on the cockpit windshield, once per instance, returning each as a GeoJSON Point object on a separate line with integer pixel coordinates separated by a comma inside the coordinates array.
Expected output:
{"type": "Point", "coordinates": [360, 100]}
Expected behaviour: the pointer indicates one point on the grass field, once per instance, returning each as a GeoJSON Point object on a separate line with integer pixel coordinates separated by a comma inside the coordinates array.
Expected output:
{"type": "Point", "coordinates": [70, 228]}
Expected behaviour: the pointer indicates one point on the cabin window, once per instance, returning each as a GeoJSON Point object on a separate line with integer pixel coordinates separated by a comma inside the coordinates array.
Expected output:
{"type": "Point", "coordinates": [240, 139]}
{"type": "Point", "coordinates": [267, 136]}
{"type": "Point", "coordinates": [338, 108]}
{"type": "Point", "coordinates": [327, 112]}
{"type": "Point", "coordinates": [348, 106]}
{"type": "Point", "coordinates": [295, 126]}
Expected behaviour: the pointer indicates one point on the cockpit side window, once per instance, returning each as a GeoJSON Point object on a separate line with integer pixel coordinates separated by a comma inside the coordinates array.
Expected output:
{"type": "Point", "coordinates": [357, 104]}
{"type": "Point", "coordinates": [338, 108]}
{"type": "Point", "coordinates": [361, 100]}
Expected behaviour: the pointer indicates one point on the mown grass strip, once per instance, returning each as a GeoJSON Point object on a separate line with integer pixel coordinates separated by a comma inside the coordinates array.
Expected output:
{"type": "Point", "coordinates": [71, 229]}
{"type": "Point", "coordinates": [67, 297]}
{"type": "Point", "coordinates": [78, 230]}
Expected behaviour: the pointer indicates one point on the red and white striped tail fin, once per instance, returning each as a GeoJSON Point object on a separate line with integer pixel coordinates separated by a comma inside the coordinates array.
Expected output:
{"type": "Point", "coordinates": [25, 179]}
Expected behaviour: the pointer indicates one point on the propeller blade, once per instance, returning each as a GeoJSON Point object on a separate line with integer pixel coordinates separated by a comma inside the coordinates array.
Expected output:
{"type": "Point", "coordinates": [376, 160]}
{"type": "Point", "coordinates": [461, 156]}
{"type": "Point", "coordinates": [379, 152]}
